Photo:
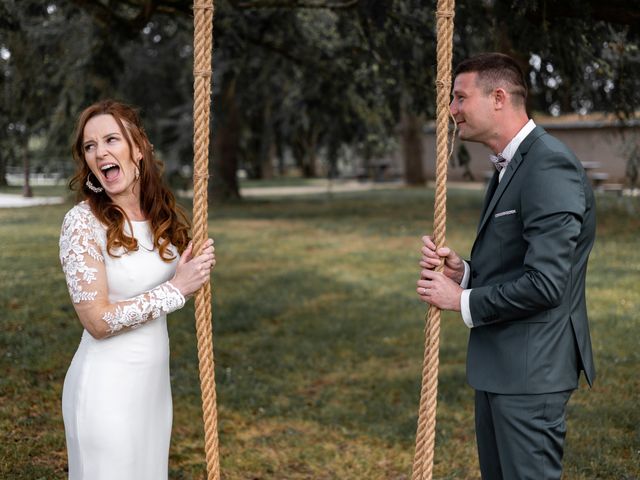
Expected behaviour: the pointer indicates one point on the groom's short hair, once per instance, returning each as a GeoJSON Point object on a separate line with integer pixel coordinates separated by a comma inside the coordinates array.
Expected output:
{"type": "Point", "coordinates": [496, 70]}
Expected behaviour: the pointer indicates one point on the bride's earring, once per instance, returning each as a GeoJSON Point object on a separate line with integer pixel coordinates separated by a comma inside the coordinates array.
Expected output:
{"type": "Point", "coordinates": [91, 186]}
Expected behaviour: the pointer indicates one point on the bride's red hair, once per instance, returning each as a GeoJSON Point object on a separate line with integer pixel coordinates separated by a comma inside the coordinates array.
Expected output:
{"type": "Point", "coordinates": [168, 221]}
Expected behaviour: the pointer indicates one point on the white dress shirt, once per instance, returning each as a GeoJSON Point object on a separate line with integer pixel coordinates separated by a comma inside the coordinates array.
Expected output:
{"type": "Point", "coordinates": [508, 153]}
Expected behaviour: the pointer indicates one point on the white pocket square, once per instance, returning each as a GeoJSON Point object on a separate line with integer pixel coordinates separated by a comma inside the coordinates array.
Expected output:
{"type": "Point", "coordinates": [506, 212]}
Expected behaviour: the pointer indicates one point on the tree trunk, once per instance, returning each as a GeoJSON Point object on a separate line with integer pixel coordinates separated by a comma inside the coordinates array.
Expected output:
{"type": "Point", "coordinates": [268, 170]}
{"type": "Point", "coordinates": [265, 155]}
{"type": "Point", "coordinates": [279, 154]}
{"type": "Point", "coordinates": [332, 157]}
{"type": "Point", "coordinates": [3, 170]}
{"type": "Point", "coordinates": [412, 148]}
{"type": "Point", "coordinates": [223, 183]}
{"type": "Point", "coordinates": [26, 189]}
{"type": "Point", "coordinates": [309, 167]}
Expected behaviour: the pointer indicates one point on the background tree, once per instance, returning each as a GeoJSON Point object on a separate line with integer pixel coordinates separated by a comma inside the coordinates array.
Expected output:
{"type": "Point", "coordinates": [32, 77]}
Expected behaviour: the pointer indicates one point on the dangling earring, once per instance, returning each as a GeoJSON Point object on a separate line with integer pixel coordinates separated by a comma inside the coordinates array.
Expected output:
{"type": "Point", "coordinates": [91, 186]}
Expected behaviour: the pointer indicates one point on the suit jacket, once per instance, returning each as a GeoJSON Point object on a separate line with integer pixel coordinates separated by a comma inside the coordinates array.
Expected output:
{"type": "Point", "coordinates": [528, 268]}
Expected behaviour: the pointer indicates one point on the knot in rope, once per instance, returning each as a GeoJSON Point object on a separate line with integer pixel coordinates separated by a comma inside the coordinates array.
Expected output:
{"type": "Point", "coordinates": [446, 14]}
{"type": "Point", "coordinates": [202, 73]}
{"type": "Point", "coordinates": [203, 7]}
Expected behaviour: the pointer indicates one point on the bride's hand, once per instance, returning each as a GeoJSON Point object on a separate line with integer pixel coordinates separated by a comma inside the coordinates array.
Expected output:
{"type": "Point", "coordinates": [192, 272]}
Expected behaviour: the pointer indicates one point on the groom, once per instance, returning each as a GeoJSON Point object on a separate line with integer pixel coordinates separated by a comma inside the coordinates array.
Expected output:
{"type": "Point", "coordinates": [522, 293]}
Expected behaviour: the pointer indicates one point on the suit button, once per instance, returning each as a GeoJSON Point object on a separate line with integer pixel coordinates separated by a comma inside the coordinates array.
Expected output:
{"type": "Point", "coordinates": [474, 274]}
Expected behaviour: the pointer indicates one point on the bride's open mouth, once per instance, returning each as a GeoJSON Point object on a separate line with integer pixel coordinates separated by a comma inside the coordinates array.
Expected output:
{"type": "Point", "coordinates": [110, 171]}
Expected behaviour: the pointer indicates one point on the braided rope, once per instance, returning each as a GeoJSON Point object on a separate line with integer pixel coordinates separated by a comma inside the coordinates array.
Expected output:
{"type": "Point", "coordinates": [425, 436]}
{"type": "Point", "coordinates": [203, 43]}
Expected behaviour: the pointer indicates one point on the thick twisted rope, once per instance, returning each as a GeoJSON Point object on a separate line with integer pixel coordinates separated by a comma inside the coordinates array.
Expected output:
{"type": "Point", "coordinates": [203, 43]}
{"type": "Point", "coordinates": [425, 436]}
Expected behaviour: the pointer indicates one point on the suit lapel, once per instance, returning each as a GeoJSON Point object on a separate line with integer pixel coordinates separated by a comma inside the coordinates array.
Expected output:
{"type": "Point", "coordinates": [515, 162]}
{"type": "Point", "coordinates": [491, 189]}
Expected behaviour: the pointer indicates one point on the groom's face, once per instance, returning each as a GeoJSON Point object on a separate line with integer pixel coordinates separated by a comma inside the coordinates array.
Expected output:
{"type": "Point", "coordinates": [472, 109]}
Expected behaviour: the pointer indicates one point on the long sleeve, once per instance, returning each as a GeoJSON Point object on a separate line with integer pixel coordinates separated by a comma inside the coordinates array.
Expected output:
{"type": "Point", "coordinates": [82, 250]}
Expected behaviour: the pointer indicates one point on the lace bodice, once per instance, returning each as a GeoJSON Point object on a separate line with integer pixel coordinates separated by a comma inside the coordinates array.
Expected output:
{"type": "Point", "coordinates": [84, 259]}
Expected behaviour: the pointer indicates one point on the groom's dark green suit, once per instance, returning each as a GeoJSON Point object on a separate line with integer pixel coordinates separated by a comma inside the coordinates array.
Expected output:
{"type": "Point", "coordinates": [527, 274]}
{"type": "Point", "coordinates": [528, 268]}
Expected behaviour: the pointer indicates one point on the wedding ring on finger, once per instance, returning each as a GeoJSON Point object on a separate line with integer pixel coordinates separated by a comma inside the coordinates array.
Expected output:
{"type": "Point", "coordinates": [424, 291]}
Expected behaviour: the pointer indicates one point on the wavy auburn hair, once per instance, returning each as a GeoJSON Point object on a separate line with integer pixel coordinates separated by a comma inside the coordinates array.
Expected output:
{"type": "Point", "coordinates": [169, 223]}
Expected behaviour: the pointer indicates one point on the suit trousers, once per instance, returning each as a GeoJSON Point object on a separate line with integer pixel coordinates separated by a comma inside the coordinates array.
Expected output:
{"type": "Point", "coordinates": [521, 437]}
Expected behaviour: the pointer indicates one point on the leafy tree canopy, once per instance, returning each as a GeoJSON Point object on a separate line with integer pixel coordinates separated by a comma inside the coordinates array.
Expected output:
{"type": "Point", "coordinates": [299, 75]}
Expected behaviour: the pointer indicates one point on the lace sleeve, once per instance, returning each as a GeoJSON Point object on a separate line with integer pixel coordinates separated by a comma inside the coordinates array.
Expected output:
{"type": "Point", "coordinates": [161, 300]}
{"type": "Point", "coordinates": [81, 255]}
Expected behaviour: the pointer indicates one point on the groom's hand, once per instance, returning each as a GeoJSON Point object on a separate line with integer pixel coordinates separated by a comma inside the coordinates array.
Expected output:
{"type": "Point", "coordinates": [436, 289]}
{"type": "Point", "coordinates": [432, 258]}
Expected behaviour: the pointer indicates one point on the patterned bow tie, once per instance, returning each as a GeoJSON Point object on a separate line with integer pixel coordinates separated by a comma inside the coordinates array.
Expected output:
{"type": "Point", "coordinates": [499, 161]}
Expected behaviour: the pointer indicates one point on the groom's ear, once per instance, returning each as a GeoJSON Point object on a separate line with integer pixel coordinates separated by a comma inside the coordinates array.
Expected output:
{"type": "Point", "coordinates": [499, 98]}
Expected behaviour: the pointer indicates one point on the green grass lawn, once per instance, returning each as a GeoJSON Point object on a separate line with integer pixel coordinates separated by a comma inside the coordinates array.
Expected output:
{"type": "Point", "coordinates": [40, 190]}
{"type": "Point", "coordinates": [318, 343]}
{"type": "Point", "coordinates": [281, 182]}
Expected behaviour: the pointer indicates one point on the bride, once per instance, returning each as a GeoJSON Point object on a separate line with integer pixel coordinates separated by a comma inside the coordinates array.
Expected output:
{"type": "Point", "coordinates": [128, 262]}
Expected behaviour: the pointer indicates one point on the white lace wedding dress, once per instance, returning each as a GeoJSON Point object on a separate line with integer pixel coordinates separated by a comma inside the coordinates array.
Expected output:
{"type": "Point", "coordinates": [116, 400]}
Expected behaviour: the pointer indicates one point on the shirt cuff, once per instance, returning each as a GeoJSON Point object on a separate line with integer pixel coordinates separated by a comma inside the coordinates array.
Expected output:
{"type": "Point", "coordinates": [464, 283]}
{"type": "Point", "coordinates": [465, 309]}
